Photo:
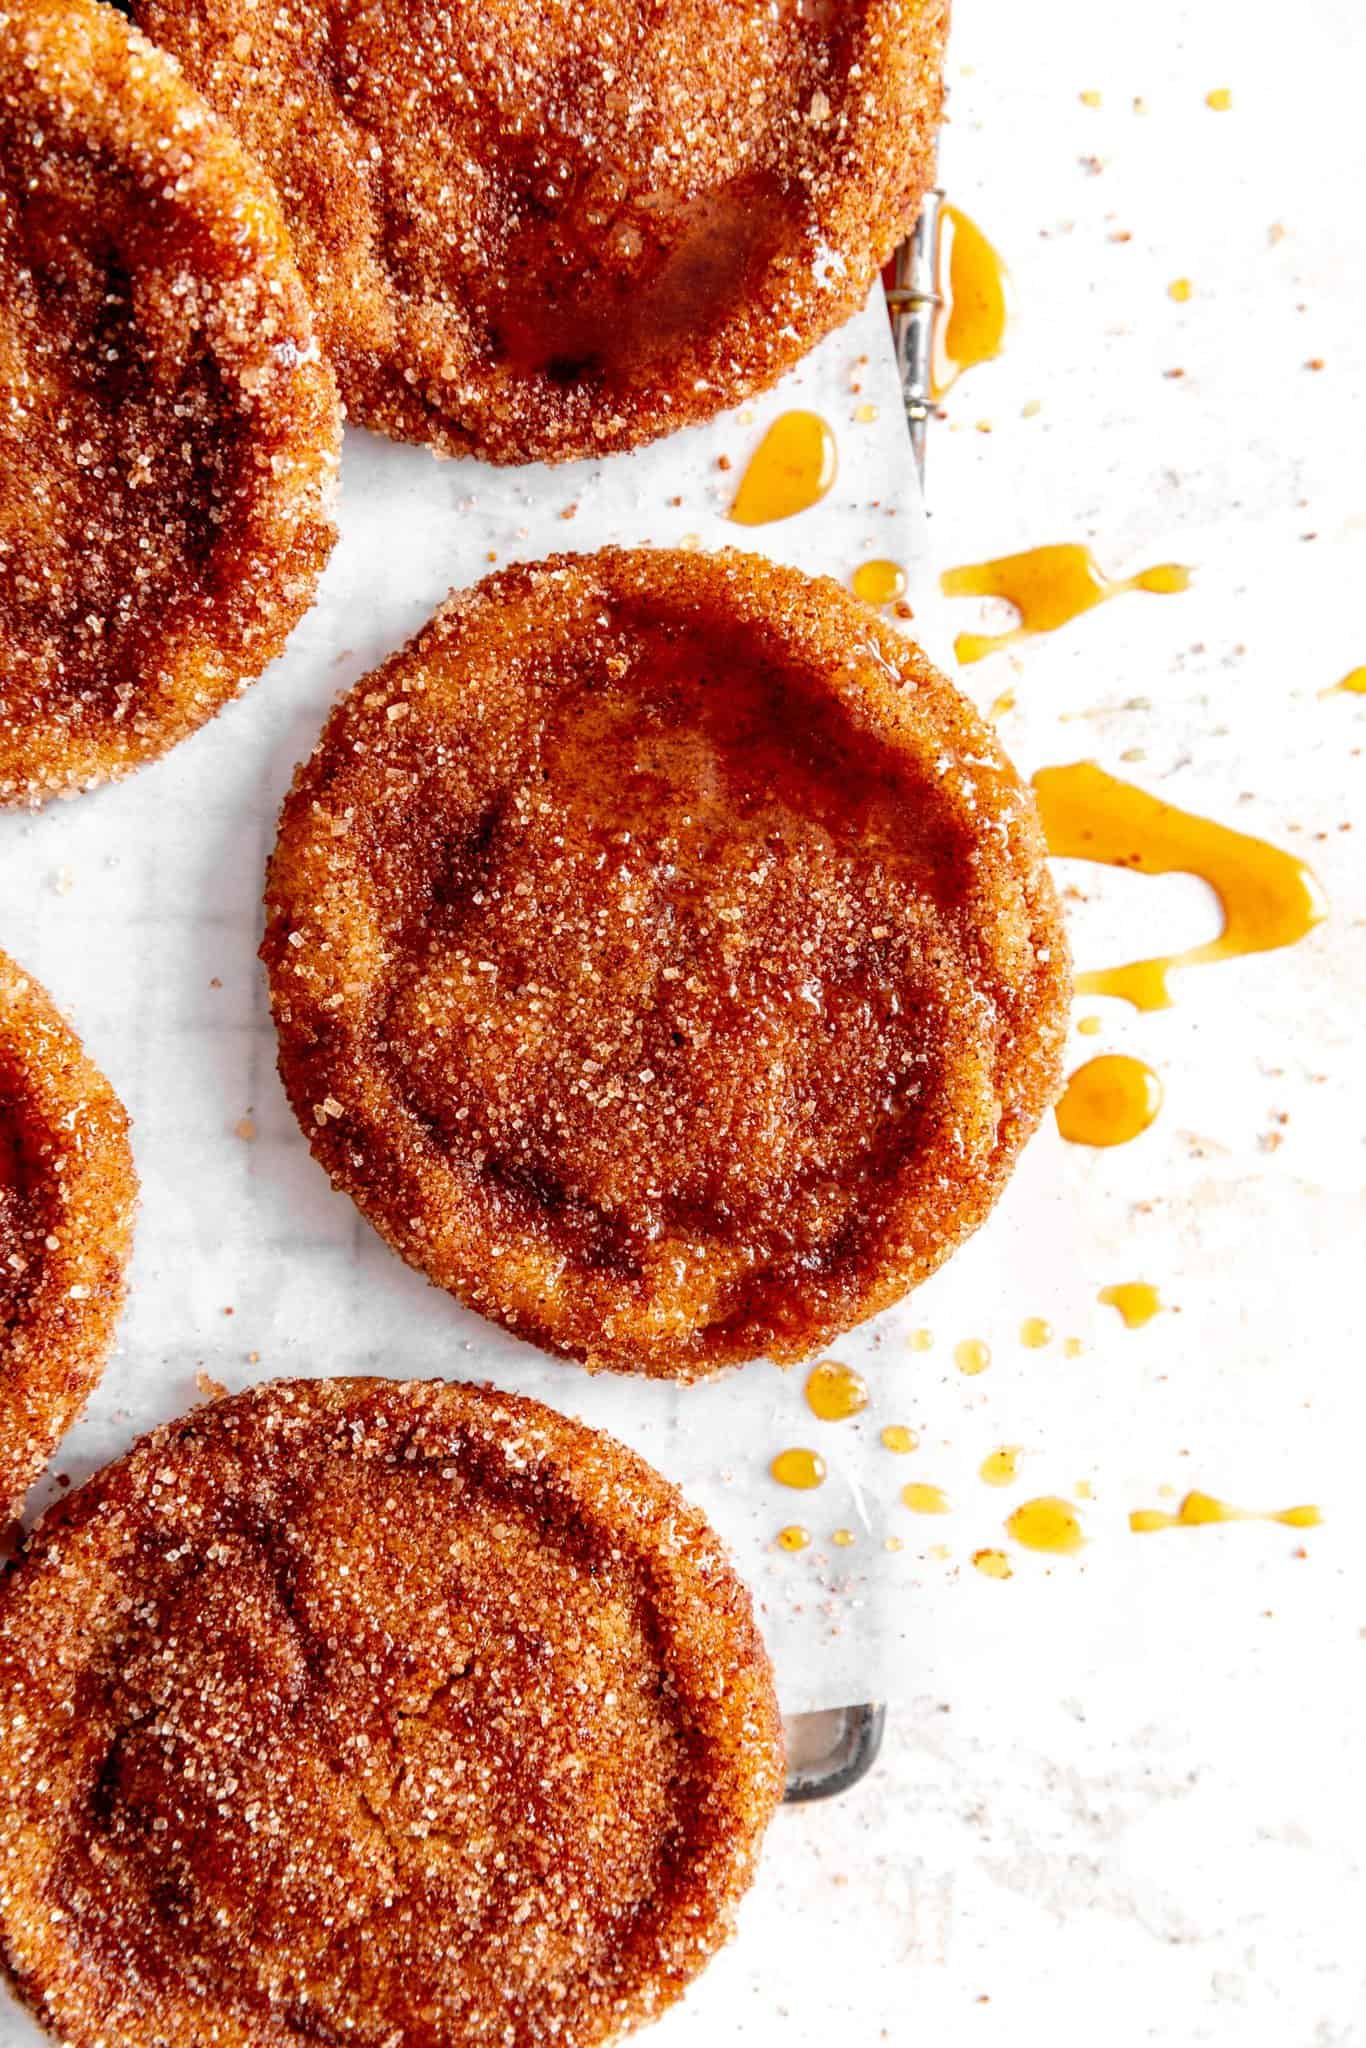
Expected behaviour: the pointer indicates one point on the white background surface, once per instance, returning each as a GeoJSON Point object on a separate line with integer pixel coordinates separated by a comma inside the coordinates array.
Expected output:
{"type": "Point", "coordinates": [1127, 1801]}
{"type": "Point", "coordinates": [1119, 1798]}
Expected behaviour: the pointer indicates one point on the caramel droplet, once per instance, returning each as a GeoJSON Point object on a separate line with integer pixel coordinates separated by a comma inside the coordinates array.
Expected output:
{"type": "Point", "coordinates": [1047, 1524]}
{"type": "Point", "coordinates": [793, 1537]}
{"type": "Point", "coordinates": [896, 1437]}
{"type": "Point", "coordinates": [998, 1467]}
{"type": "Point", "coordinates": [1108, 1101]}
{"type": "Point", "coordinates": [1035, 1333]}
{"type": "Point", "coordinates": [993, 1564]}
{"type": "Point", "coordinates": [792, 469]}
{"type": "Point", "coordinates": [879, 582]}
{"type": "Point", "coordinates": [1137, 1301]}
{"type": "Point", "coordinates": [972, 1356]}
{"type": "Point", "coordinates": [799, 1468]}
{"type": "Point", "coordinates": [834, 1391]}
{"type": "Point", "coordinates": [920, 1340]}
{"type": "Point", "coordinates": [924, 1500]}
{"type": "Point", "coordinates": [844, 1538]}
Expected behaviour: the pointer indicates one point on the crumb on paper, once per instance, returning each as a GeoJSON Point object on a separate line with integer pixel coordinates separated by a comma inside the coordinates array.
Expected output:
{"type": "Point", "coordinates": [245, 1128]}
{"type": "Point", "coordinates": [209, 1387]}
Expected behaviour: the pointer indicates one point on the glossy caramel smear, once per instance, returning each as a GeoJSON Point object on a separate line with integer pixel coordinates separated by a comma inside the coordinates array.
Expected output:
{"type": "Point", "coordinates": [1269, 899]}
{"type": "Point", "coordinates": [67, 1190]}
{"type": "Point", "coordinates": [1049, 587]}
{"type": "Point", "coordinates": [439, 1718]}
{"type": "Point", "coordinates": [1199, 1508]}
{"type": "Point", "coordinates": [540, 230]}
{"type": "Point", "coordinates": [975, 288]}
{"type": "Point", "coordinates": [664, 957]}
{"type": "Point", "coordinates": [792, 469]}
{"type": "Point", "coordinates": [168, 431]}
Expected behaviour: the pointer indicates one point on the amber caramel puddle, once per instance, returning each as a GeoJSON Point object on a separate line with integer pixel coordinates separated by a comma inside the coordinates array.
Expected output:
{"type": "Point", "coordinates": [1268, 897]}
{"type": "Point", "coordinates": [1137, 1302]}
{"type": "Point", "coordinates": [791, 469]}
{"type": "Point", "coordinates": [1108, 1101]}
{"type": "Point", "coordinates": [1049, 1524]}
{"type": "Point", "coordinates": [974, 286]}
{"type": "Point", "coordinates": [1353, 684]}
{"type": "Point", "coordinates": [1197, 1509]}
{"type": "Point", "coordinates": [1049, 587]}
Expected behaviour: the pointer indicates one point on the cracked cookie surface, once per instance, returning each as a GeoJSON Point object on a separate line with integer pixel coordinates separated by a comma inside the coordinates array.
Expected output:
{"type": "Point", "coordinates": [376, 1711]}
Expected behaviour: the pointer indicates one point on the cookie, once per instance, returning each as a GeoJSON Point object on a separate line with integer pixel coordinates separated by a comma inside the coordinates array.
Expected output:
{"type": "Point", "coordinates": [169, 432]}
{"type": "Point", "coordinates": [357, 1710]}
{"type": "Point", "coordinates": [664, 958]}
{"type": "Point", "coordinates": [67, 1195]}
{"type": "Point", "coordinates": [535, 232]}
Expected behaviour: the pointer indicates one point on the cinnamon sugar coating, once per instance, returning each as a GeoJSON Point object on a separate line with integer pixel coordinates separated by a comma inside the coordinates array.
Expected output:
{"type": "Point", "coordinates": [550, 228]}
{"type": "Point", "coordinates": [402, 1714]}
{"type": "Point", "coordinates": [67, 1194]}
{"type": "Point", "coordinates": [664, 958]}
{"type": "Point", "coordinates": [168, 430]}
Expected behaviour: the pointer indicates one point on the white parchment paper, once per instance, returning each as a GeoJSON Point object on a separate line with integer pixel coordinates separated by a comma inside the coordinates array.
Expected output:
{"type": "Point", "coordinates": [139, 908]}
